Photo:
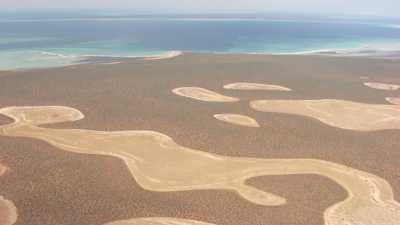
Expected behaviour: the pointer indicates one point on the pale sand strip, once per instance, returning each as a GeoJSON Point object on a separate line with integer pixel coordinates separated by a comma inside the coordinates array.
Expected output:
{"type": "Point", "coordinates": [159, 164]}
{"type": "Point", "coordinates": [202, 94]}
{"type": "Point", "coordinates": [337, 113]}
{"type": "Point", "coordinates": [8, 211]}
{"type": "Point", "coordinates": [237, 119]}
{"type": "Point", "coordinates": [382, 86]}
{"type": "Point", "coordinates": [168, 55]}
{"type": "Point", "coordinates": [158, 221]}
{"type": "Point", "coordinates": [393, 100]}
{"type": "Point", "coordinates": [256, 87]}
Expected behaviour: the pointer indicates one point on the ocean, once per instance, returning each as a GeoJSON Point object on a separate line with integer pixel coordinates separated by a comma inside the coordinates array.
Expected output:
{"type": "Point", "coordinates": [58, 40]}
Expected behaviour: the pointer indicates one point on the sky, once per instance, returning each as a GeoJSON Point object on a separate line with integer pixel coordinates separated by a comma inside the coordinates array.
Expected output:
{"type": "Point", "coordinates": [349, 7]}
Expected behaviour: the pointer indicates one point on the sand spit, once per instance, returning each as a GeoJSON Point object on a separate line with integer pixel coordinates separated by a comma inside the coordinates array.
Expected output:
{"type": "Point", "coordinates": [8, 211]}
{"type": "Point", "coordinates": [237, 119]}
{"type": "Point", "coordinates": [202, 94]}
{"type": "Point", "coordinates": [382, 86]}
{"type": "Point", "coordinates": [393, 100]}
{"type": "Point", "coordinates": [158, 221]}
{"type": "Point", "coordinates": [168, 55]}
{"type": "Point", "coordinates": [337, 113]}
{"type": "Point", "coordinates": [159, 164]}
{"type": "Point", "coordinates": [256, 87]}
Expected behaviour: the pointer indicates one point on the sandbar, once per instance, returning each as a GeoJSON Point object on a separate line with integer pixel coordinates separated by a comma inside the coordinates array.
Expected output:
{"type": "Point", "coordinates": [237, 119]}
{"type": "Point", "coordinates": [203, 94]}
{"type": "Point", "coordinates": [159, 164]}
{"type": "Point", "coordinates": [256, 87]}
{"type": "Point", "coordinates": [168, 55]}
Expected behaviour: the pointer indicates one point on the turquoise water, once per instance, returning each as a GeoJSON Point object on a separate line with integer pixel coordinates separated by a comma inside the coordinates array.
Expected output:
{"type": "Point", "coordinates": [32, 43]}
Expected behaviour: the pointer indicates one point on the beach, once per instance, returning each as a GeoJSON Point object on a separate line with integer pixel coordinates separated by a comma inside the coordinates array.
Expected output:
{"type": "Point", "coordinates": [178, 95]}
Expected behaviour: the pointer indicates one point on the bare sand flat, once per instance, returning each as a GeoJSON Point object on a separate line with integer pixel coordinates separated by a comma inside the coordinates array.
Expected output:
{"type": "Point", "coordinates": [203, 94]}
{"type": "Point", "coordinates": [337, 113]}
{"type": "Point", "coordinates": [136, 95]}
{"type": "Point", "coordinates": [370, 200]}
{"type": "Point", "coordinates": [237, 119]}
{"type": "Point", "coordinates": [393, 100]}
{"type": "Point", "coordinates": [382, 86]}
{"type": "Point", "coordinates": [255, 87]}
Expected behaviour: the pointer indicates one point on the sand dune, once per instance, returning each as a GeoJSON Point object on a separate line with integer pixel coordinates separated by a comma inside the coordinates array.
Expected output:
{"type": "Point", "coordinates": [393, 100]}
{"type": "Point", "coordinates": [159, 164]}
{"type": "Point", "coordinates": [202, 94]}
{"type": "Point", "coordinates": [382, 86]}
{"type": "Point", "coordinates": [8, 211]}
{"type": "Point", "coordinates": [256, 87]}
{"type": "Point", "coordinates": [157, 221]}
{"type": "Point", "coordinates": [337, 113]}
{"type": "Point", "coordinates": [237, 120]}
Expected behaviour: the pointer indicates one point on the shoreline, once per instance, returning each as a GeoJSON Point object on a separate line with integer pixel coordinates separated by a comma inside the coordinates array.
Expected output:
{"type": "Point", "coordinates": [110, 60]}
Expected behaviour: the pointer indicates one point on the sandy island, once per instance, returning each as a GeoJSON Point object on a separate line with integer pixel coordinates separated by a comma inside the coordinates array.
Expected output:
{"type": "Point", "coordinates": [337, 113]}
{"type": "Point", "coordinates": [8, 211]}
{"type": "Point", "coordinates": [203, 94]}
{"type": "Point", "coordinates": [370, 198]}
{"type": "Point", "coordinates": [237, 119]}
{"type": "Point", "coordinates": [256, 87]}
{"type": "Point", "coordinates": [382, 86]}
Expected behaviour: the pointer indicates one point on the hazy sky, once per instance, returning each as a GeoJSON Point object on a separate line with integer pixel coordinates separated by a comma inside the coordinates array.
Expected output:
{"type": "Point", "coordinates": [373, 7]}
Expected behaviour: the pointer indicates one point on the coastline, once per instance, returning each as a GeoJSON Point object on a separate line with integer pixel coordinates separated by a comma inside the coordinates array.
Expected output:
{"type": "Point", "coordinates": [111, 59]}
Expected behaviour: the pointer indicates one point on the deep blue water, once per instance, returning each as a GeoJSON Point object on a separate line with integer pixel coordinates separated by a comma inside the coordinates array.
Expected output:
{"type": "Point", "coordinates": [41, 42]}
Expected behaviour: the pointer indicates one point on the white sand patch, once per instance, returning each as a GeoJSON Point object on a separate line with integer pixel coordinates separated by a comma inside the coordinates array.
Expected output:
{"type": "Point", "coordinates": [337, 113]}
{"type": "Point", "coordinates": [203, 94]}
{"type": "Point", "coordinates": [256, 87]}
{"type": "Point", "coordinates": [168, 55]}
{"type": "Point", "coordinates": [382, 86]}
{"type": "Point", "coordinates": [237, 119]}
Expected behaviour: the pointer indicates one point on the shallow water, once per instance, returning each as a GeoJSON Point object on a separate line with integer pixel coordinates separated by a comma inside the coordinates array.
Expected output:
{"type": "Point", "coordinates": [59, 40]}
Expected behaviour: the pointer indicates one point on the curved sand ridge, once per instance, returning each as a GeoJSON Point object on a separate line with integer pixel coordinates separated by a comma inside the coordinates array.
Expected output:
{"type": "Point", "coordinates": [8, 211]}
{"type": "Point", "coordinates": [203, 94]}
{"type": "Point", "coordinates": [256, 87]}
{"type": "Point", "coordinates": [393, 100]}
{"type": "Point", "coordinates": [237, 119]}
{"type": "Point", "coordinates": [159, 164]}
{"type": "Point", "coordinates": [337, 113]}
{"type": "Point", "coordinates": [382, 86]}
{"type": "Point", "coordinates": [158, 221]}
